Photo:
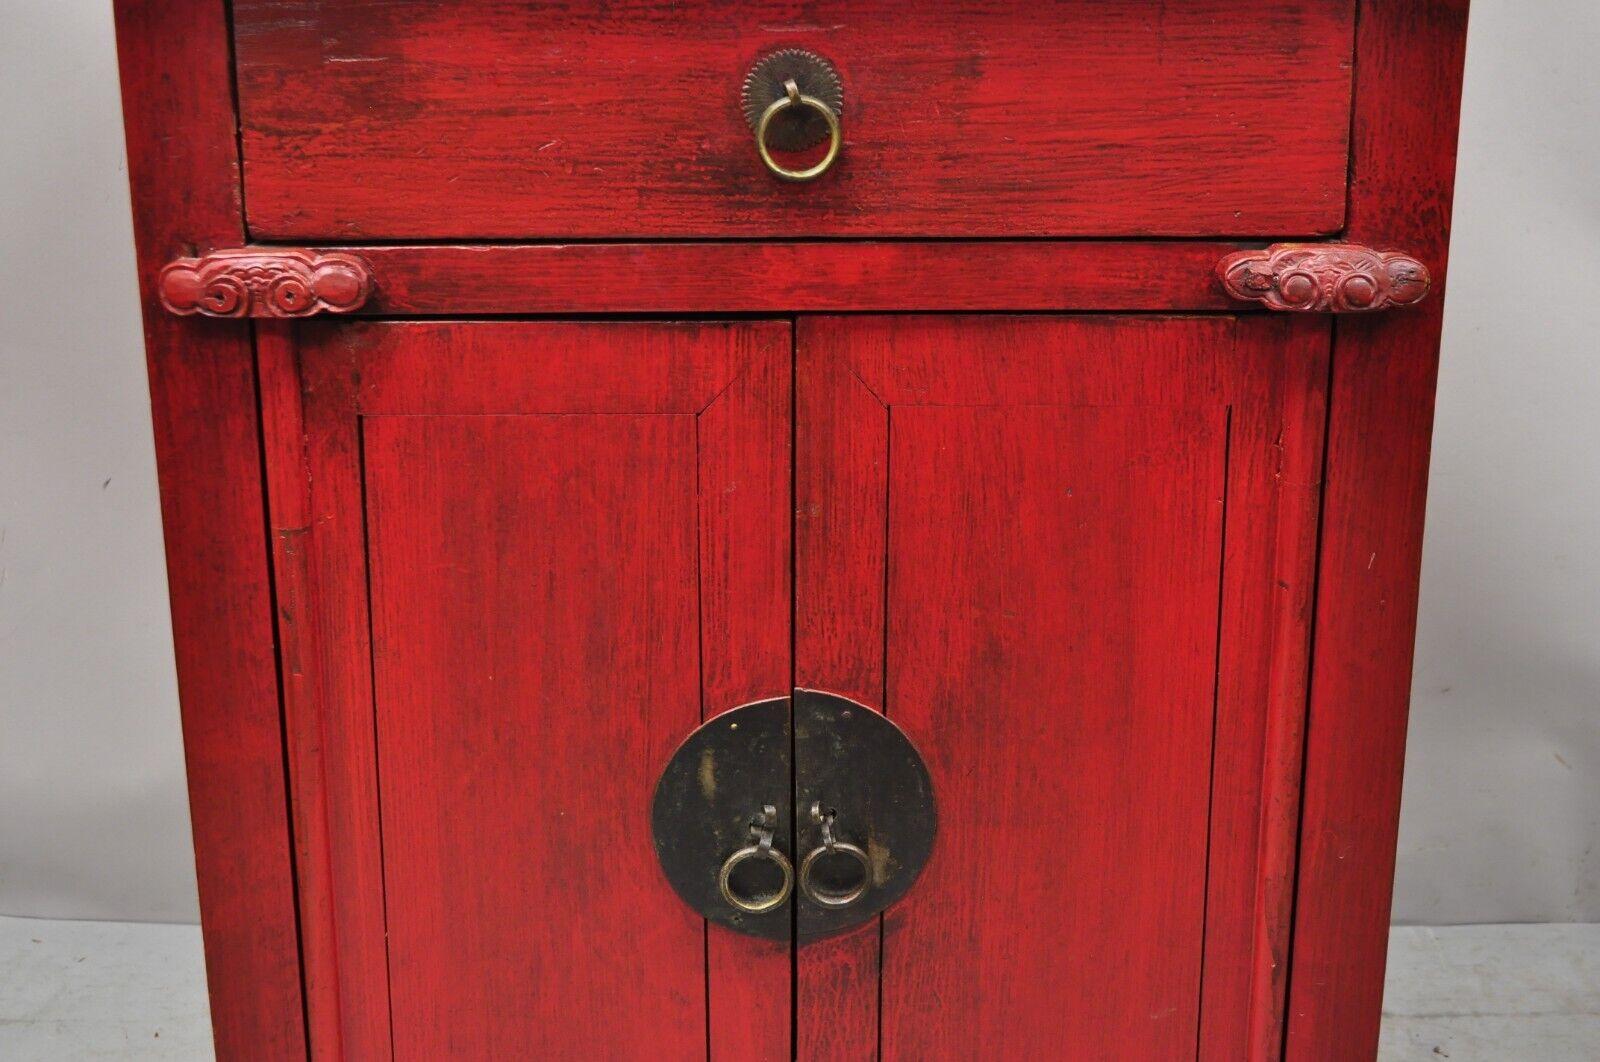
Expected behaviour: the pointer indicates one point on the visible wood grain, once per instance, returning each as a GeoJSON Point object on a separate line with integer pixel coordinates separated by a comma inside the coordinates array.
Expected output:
{"type": "Point", "coordinates": [841, 433]}
{"type": "Point", "coordinates": [597, 367]}
{"type": "Point", "coordinates": [795, 277]}
{"type": "Point", "coordinates": [184, 171]}
{"type": "Point", "coordinates": [1266, 614]}
{"type": "Point", "coordinates": [1058, 566]}
{"type": "Point", "coordinates": [745, 439]}
{"type": "Point", "coordinates": [931, 516]}
{"type": "Point", "coordinates": [577, 538]}
{"type": "Point", "coordinates": [336, 614]}
{"type": "Point", "coordinates": [378, 119]}
{"type": "Point", "coordinates": [1410, 55]}
{"type": "Point", "coordinates": [535, 650]}
{"type": "Point", "coordinates": [299, 645]}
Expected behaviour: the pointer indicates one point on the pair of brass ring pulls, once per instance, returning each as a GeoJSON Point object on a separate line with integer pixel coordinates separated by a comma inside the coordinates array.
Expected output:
{"type": "Point", "coordinates": [761, 848]}
{"type": "Point", "coordinates": [851, 775]}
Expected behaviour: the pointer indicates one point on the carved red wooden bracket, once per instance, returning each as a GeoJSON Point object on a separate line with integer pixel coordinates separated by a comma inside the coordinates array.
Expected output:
{"type": "Point", "coordinates": [1325, 278]}
{"type": "Point", "coordinates": [265, 282]}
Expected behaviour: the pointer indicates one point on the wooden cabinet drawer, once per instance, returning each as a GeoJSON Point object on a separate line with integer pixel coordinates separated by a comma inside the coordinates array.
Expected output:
{"type": "Point", "coordinates": [412, 119]}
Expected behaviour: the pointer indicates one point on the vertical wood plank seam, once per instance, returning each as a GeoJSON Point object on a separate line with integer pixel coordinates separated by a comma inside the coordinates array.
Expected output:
{"type": "Point", "coordinates": [794, 625]}
{"type": "Point", "coordinates": [238, 148]}
{"type": "Point", "coordinates": [1275, 918]}
{"type": "Point", "coordinates": [287, 510]}
{"type": "Point", "coordinates": [272, 534]}
{"type": "Point", "coordinates": [372, 671]}
{"type": "Point", "coordinates": [1311, 665]}
{"type": "Point", "coordinates": [700, 670]}
{"type": "Point", "coordinates": [1311, 669]}
{"type": "Point", "coordinates": [883, 693]}
{"type": "Point", "coordinates": [1216, 701]}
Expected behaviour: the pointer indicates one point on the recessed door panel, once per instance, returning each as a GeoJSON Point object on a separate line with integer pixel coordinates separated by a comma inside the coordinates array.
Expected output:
{"type": "Point", "coordinates": [534, 651]}
{"type": "Point", "coordinates": [1053, 587]}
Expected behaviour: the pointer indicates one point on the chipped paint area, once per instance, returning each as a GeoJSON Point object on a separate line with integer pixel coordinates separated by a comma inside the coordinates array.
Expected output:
{"type": "Point", "coordinates": [708, 773]}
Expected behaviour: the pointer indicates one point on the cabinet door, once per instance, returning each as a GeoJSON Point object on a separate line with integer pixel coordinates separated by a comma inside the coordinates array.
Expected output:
{"type": "Point", "coordinates": [1071, 557]}
{"type": "Point", "coordinates": [518, 563]}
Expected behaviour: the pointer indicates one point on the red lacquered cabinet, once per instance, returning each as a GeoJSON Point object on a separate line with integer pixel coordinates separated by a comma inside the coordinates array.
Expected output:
{"type": "Point", "coordinates": [826, 531]}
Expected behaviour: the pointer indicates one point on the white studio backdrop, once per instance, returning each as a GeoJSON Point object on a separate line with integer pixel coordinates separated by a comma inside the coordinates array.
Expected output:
{"type": "Point", "coordinates": [1502, 800]}
{"type": "Point", "coordinates": [1501, 815]}
{"type": "Point", "coordinates": [93, 813]}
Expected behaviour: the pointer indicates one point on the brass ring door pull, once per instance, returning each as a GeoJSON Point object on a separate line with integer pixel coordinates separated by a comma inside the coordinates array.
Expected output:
{"type": "Point", "coordinates": [804, 89]}
{"type": "Point", "coordinates": [851, 875]}
{"type": "Point", "coordinates": [754, 898]}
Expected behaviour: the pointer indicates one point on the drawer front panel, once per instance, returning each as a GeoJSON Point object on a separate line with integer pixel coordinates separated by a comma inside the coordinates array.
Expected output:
{"type": "Point", "coordinates": [407, 119]}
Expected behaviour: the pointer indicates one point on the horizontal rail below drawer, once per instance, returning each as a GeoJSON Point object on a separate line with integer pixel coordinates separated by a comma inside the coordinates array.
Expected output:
{"type": "Point", "coordinates": [798, 277]}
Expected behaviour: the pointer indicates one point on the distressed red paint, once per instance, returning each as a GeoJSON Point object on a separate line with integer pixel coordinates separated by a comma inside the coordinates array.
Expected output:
{"type": "Point", "coordinates": [447, 592]}
{"type": "Point", "coordinates": [1325, 278]}
{"type": "Point", "coordinates": [265, 282]}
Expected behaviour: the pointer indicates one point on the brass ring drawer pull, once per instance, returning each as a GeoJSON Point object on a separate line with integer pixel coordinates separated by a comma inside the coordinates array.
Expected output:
{"type": "Point", "coordinates": [804, 89]}
{"type": "Point", "coordinates": [795, 98]}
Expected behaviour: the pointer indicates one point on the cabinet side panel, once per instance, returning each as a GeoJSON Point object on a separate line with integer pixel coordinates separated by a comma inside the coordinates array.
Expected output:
{"type": "Point", "coordinates": [183, 166]}
{"type": "Point", "coordinates": [1408, 69]}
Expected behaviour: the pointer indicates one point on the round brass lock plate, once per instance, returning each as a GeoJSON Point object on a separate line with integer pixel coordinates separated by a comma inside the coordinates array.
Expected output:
{"type": "Point", "coordinates": [794, 824]}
